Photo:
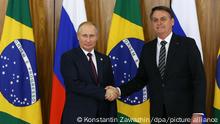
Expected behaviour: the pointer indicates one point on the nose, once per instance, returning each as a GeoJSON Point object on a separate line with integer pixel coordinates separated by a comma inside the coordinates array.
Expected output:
{"type": "Point", "coordinates": [159, 22]}
{"type": "Point", "coordinates": [87, 39]}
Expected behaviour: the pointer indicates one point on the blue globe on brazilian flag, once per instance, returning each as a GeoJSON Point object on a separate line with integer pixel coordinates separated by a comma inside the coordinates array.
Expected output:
{"type": "Point", "coordinates": [124, 47]}
{"type": "Point", "coordinates": [19, 96]}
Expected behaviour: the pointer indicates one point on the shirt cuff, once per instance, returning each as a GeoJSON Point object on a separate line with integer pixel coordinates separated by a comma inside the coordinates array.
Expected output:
{"type": "Point", "coordinates": [198, 114]}
{"type": "Point", "coordinates": [119, 91]}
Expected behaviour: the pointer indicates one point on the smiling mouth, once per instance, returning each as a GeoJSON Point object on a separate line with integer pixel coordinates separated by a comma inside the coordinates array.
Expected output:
{"type": "Point", "coordinates": [159, 28]}
{"type": "Point", "coordinates": [88, 45]}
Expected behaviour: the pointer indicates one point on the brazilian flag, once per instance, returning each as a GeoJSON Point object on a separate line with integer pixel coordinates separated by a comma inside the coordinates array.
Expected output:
{"type": "Point", "coordinates": [217, 91]}
{"type": "Point", "coordinates": [19, 96]}
{"type": "Point", "coordinates": [124, 47]}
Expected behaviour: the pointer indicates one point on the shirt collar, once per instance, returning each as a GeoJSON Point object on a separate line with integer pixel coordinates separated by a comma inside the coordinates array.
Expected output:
{"type": "Point", "coordinates": [167, 39]}
{"type": "Point", "coordinates": [86, 52]}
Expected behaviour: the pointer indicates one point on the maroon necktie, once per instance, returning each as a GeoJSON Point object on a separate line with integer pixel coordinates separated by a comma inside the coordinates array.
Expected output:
{"type": "Point", "coordinates": [92, 67]}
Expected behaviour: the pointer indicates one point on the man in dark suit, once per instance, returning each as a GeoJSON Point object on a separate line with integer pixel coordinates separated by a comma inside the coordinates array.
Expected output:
{"type": "Point", "coordinates": [86, 73]}
{"type": "Point", "coordinates": [172, 68]}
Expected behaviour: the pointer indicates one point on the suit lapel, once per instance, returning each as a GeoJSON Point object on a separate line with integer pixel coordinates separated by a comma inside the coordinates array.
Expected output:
{"type": "Point", "coordinates": [100, 65]}
{"type": "Point", "coordinates": [154, 51]}
{"type": "Point", "coordinates": [171, 54]}
{"type": "Point", "coordinates": [85, 63]}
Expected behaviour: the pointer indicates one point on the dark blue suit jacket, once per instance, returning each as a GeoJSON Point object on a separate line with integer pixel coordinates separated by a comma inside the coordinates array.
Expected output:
{"type": "Point", "coordinates": [84, 97]}
{"type": "Point", "coordinates": [184, 86]}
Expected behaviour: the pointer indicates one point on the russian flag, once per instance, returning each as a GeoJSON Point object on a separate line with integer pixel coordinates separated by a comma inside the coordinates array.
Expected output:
{"type": "Point", "coordinates": [186, 20]}
{"type": "Point", "coordinates": [73, 13]}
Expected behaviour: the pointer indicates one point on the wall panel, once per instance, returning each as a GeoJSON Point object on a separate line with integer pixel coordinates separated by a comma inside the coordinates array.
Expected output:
{"type": "Point", "coordinates": [42, 12]}
{"type": "Point", "coordinates": [3, 4]}
{"type": "Point", "coordinates": [209, 23]}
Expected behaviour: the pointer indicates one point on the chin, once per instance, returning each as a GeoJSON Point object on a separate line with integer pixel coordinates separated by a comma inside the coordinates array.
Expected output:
{"type": "Point", "coordinates": [160, 33]}
{"type": "Point", "coordinates": [89, 49]}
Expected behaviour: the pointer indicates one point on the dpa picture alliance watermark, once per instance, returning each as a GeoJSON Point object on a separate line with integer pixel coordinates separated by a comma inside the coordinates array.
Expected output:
{"type": "Point", "coordinates": [166, 120]}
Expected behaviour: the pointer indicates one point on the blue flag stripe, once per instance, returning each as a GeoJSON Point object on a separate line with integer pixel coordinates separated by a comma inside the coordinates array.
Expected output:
{"type": "Point", "coordinates": [177, 27]}
{"type": "Point", "coordinates": [67, 39]}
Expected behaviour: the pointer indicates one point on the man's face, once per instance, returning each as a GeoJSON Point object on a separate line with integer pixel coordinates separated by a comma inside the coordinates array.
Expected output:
{"type": "Point", "coordinates": [162, 23]}
{"type": "Point", "coordinates": [87, 37]}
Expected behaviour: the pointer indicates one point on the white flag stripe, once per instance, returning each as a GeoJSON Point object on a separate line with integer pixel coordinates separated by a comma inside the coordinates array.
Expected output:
{"type": "Point", "coordinates": [185, 11]}
{"type": "Point", "coordinates": [79, 11]}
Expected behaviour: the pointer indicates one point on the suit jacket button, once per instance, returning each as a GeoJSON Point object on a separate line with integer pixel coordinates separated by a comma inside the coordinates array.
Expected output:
{"type": "Point", "coordinates": [163, 85]}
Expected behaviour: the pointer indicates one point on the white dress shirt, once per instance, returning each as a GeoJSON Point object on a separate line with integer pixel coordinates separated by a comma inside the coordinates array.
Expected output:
{"type": "Point", "coordinates": [93, 58]}
{"type": "Point", "coordinates": [167, 39]}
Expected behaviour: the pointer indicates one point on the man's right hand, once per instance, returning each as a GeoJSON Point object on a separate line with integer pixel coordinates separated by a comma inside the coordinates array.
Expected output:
{"type": "Point", "coordinates": [112, 93]}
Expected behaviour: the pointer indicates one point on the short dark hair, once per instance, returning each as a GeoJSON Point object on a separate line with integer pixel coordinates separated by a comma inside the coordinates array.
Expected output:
{"type": "Point", "coordinates": [162, 8]}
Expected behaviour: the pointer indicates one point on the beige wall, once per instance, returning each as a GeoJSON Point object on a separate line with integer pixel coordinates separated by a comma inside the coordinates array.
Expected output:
{"type": "Point", "coordinates": [46, 15]}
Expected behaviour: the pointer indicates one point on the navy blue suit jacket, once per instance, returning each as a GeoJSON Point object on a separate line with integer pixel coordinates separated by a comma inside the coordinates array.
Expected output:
{"type": "Point", "coordinates": [183, 88]}
{"type": "Point", "coordinates": [84, 97]}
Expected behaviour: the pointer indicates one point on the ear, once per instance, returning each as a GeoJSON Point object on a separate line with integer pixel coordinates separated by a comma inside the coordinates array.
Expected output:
{"type": "Point", "coordinates": [77, 35]}
{"type": "Point", "coordinates": [172, 21]}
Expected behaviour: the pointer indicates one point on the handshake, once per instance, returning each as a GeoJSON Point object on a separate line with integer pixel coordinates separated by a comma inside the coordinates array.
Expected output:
{"type": "Point", "coordinates": [112, 93]}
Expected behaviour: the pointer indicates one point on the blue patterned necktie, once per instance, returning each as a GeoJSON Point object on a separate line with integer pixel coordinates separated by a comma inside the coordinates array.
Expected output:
{"type": "Point", "coordinates": [162, 58]}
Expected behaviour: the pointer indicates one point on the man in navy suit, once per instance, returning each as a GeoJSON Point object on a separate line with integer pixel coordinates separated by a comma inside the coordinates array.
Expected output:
{"type": "Point", "coordinates": [171, 67]}
{"type": "Point", "coordinates": [86, 73]}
